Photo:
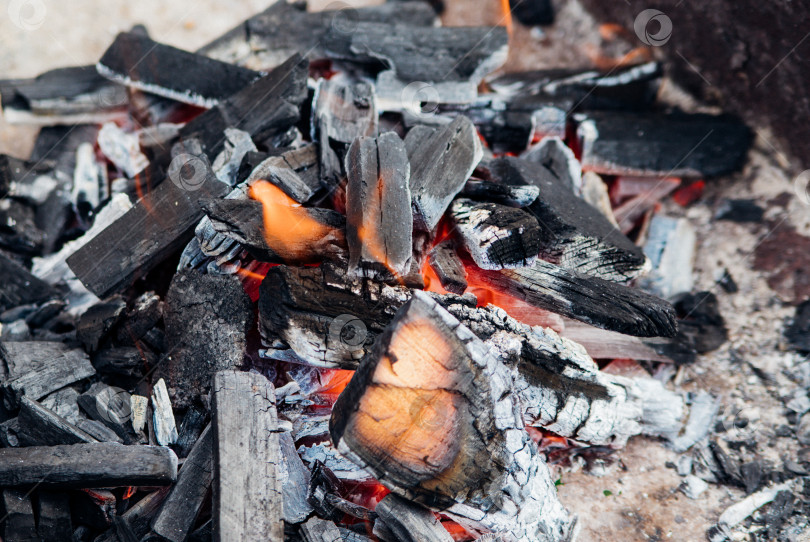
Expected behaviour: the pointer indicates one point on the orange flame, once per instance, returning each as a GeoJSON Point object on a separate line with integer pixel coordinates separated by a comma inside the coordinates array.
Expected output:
{"type": "Point", "coordinates": [507, 16]}
{"type": "Point", "coordinates": [129, 492]}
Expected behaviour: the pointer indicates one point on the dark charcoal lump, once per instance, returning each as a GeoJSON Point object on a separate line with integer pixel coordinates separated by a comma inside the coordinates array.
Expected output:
{"type": "Point", "coordinates": [700, 322]}
{"type": "Point", "coordinates": [798, 332]}
{"type": "Point", "coordinates": [532, 12]}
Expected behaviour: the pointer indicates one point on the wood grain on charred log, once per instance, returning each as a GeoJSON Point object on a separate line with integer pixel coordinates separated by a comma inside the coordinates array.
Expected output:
{"type": "Point", "coordinates": [445, 262]}
{"type": "Point", "coordinates": [39, 426]}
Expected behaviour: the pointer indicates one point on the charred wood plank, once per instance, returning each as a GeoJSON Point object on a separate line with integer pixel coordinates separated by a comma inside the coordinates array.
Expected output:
{"type": "Point", "coordinates": [444, 261]}
{"type": "Point", "coordinates": [42, 427]}
{"type": "Point", "coordinates": [410, 522]}
{"type": "Point", "coordinates": [88, 465]}
{"type": "Point", "coordinates": [247, 487]}
{"type": "Point", "coordinates": [505, 194]}
{"type": "Point", "coordinates": [20, 287]}
{"type": "Point", "coordinates": [136, 61]}
{"type": "Point", "coordinates": [379, 221]}
{"type": "Point", "coordinates": [451, 435]}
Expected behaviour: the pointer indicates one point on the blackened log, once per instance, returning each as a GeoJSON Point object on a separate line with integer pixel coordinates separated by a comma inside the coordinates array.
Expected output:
{"type": "Point", "coordinates": [597, 302]}
{"type": "Point", "coordinates": [181, 507]}
{"type": "Point", "coordinates": [19, 524]}
{"type": "Point", "coordinates": [39, 426]}
{"type": "Point", "coordinates": [99, 320]}
{"type": "Point", "coordinates": [575, 235]}
{"type": "Point", "coordinates": [21, 287]}
{"type": "Point", "coordinates": [266, 108]}
{"type": "Point", "coordinates": [162, 415]}
{"type": "Point", "coordinates": [663, 145]}
{"type": "Point", "coordinates": [296, 478]}
{"type": "Point", "coordinates": [451, 435]}
{"type": "Point", "coordinates": [88, 465]}
{"type": "Point", "coordinates": [53, 517]}
{"type": "Point", "coordinates": [190, 429]}
{"type": "Point", "coordinates": [444, 261]}
{"type": "Point", "coordinates": [410, 522]}
{"type": "Point", "coordinates": [496, 236]}
{"type": "Point", "coordinates": [165, 217]}
{"type": "Point", "coordinates": [136, 61]}
{"type": "Point", "coordinates": [110, 406]}
{"type": "Point", "coordinates": [379, 221]}
{"type": "Point", "coordinates": [98, 431]}
{"type": "Point", "coordinates": [441, 165]}
{"type": "Point", "coordinates": [505, 194]}
{"type": "Point", "coordinates": [247, 487]}
{"type": "Point", "coordinates": [36, 369]}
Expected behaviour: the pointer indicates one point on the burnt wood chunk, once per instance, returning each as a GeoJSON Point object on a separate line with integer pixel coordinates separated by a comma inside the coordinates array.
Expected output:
{"type": "Point", "coordinates": [161, 223]}
{"type": "Point", "coordinates": [88, 466]}
{"type": "Point", "coordinates": [110, 406]}
{"type": "Point", "coordinates": [19, 523]}
{"type": "Point", "coordinates": [125, 365]}
{"type": "Point", "coordinates": [181, 507]}
{"type": "Point", "coordinates": [445, 262]}
{"type": "Point", "coordinates": [296, 478]}
{"type": "Point", "coordinates": [496, 236]}
{"type": "Point", "coordinates": [42, 427]}
{"type": "Point", "coordinates": [597, 302]}
{"type": "Point", "coordinates": [207, 320]}
{"type": "Point", "coordinates": [450, 435]}
{"type": "Point", "coordinates": [662, 145]}
{"type": "Point", "coordinates": [35, 369]}
{"type": "Point", "coordinates": [379, 221]}
{"type": "Point", "coordinates": [247, 486]}
{"type": "Point", "coordinates": [136, 520]}
{"type": "Point", "coordinates": [505, 194]}
{"type": "Point", "coordinates": [190, 429]}
{"type": "Point", "coordinates": [53, 517]}
{"type": "Point", "coordinates": [137, 61]}
{"type": "Point", "coordinates": [266, 108]}
{"type": "Point", "coordinates": [319, 530]}
{"type": "Point", "coordinates": [302, 161]}
{"type": "Point", "coordinates": [575, 235]}
{"type": "Point", "coordinates": [559, 159]}
{"type": "Point", "coordinates": [440, 167]}
{"type": "Point", "coordinates": [343, 112]}
{"type": "Point", "coordinates": [410, 522]}
{"type": "Point", "coordinates": [97, 321]}
{"type": "Point", "coordinates": [20, 287]}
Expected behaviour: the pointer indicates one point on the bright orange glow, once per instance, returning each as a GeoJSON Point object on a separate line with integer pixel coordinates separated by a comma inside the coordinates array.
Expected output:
{"type": "Point", "coordinates": [336, 382]}
{"type": "Point", "coordinates": [252, 280]}
{"type": "Point", "coordinates": [129, 492]}
{"type": "Point", "coordinates": [516, 308]}
{"type": "Point", "coordinates": [507, 16]}
{"type": "Point", "coordinates": [375, 247]}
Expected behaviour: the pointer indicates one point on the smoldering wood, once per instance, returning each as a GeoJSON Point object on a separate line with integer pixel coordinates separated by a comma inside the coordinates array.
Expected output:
{"type": "Point", "coordinates": [35, 369]}
{"type": "Point", "coordinates": [344, 111]}
{"type": "Point", "coordinates": [558, 159]}
{"type": "Point", "coordinates": [662, 145]}
{"type": "Point", "coordinates": [600, 303]}
{"type": "Point", "coordinates": [110, 406]}
{"type": "Point", "coordinates": [19, 523]}
{"type": "Point", "coordinates": [576, 236]}
{"type": "Point", "coordinates": [53, 516]}
{"type": "Point", "coordinates": [447, 412]}
{"type": "Point", "coordinates": [88, 466]}
{"type": "Point", "coordinates": [137, 61]}
{"type": "Point", "coordinates": [441, 165]}
{"type": "Point", "coordinates": [166, 217]}
{"type": "Point", "coordinates": [248, 495]}
{"type": "Point", "coordinates": [324, 495]}
{"type": "Point", "coordinates": [20, 287]}
{"type": "Point", "coordinates": [163, 415]}
{"type": "Point", "coordinates": [379, 221]}
{"type": "Point", "coordinates": [505, 194]}
{"type": "Point", "coordinates": [445, 262]}
{"type": "Point", "coordinates": [303, 161]}
{"type": "Point", "coordinates": [181, 507]}
{"type": "Point", "coordinates": [95, 508]}
{"type": "Point", "coordinates": [319, 530]}
{"type": "Point", "coordinates": [190, 429]}
{"type": "Point", "coordinates": [496, 236]}
{"type": "Point", "coordinates": [39, 426]}
{"type": "Point", "coordinates": [295, 484]}
{"type": "Point", "coordinates": [137, 518]}
{"type": "Point", "coordinates": [410, 522]}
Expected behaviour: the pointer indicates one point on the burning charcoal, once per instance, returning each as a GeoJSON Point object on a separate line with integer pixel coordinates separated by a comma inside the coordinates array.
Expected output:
{"type": "Point", "coordinates": [497, 236]}
{"type": "Point", "coordinates": [444, 261]}
{"type": "Point", "coordinates": [532, 12]}
{"type": "Point", "coordinates": [53, 517]}
{"type": "Point", "coordinates": [575, 235]}
{"type": "Point", "coordinates": [318, 530]}
{"type": "Point", "coordinates": [303, 162]}
{"type": "Point", "coordinates": [39, 426]}
{"type": "Point", "coordinates": [737, 512]}
{"type": "Point", "coordinates": [379, 221]}
{"type": "Point", "coordinates": [162, 415]}
{"type": "Point", "coordinates": [798, 333]}
{"type": "Point", "coordinates": [505, 194]}
{"type": "Point", "coordinates": [137, 61]}
{"type": "Point", "coordinates": [110, 406]}
{"type": "Point", "coordinates": [651, 145]}
{"type": "Point", "coordinates": [97, 321]}
{"type": "Point", "coordinates": [559, 159]}
{"type": "Point", "coordinates": [591, 300]}
{"type": "Point", "coordinates": [284, 178]}
{"type": "Point", "coordinates": [295, 481]}
{"type": "Point", "coordinates": [247, 486]}
{"type": "Point", "coordinates": [266, 108]}
{"type": "Point", "coordinates": [137, 519]}
{"type": "Point", "coordinates": [670, 246]}
{"type": "Point", "coordinates": [701, 322]}
{"type": "Point", "coordinates": [19, 524]}
{"type": "Point", "coordinates": [227, 163]}
{"type": "Point", "coordinates": [441, 164]}
{"type": "Point", "coordinates": [88, 465]}
{"type": "Point", "coordinates": [94, 507]}
{"type": "Point", "coordinates": [190, 429]}
{"type": "Point", "coordinates": [21, 287]}
{"type": "Point", "coordinates": [36, 369]}
{"type": "Point", "coordinates": [178, 512]}
{"type": "Point", "coordinates": [410, 522]}
{"type": "Point", "coordinates": [118, 255]}
{"type": "Point", "coordinates": [452, 435]}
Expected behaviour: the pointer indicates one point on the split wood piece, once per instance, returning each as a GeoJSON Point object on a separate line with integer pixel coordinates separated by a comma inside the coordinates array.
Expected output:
{"type": "Point", "coordinates": [19, 523]}
{"type": "Point", "coordinates": [266, 108]}
{"type": "Point", "coordinates": [20, 287]}
{"type": "Point", "coordinates": [162, 415]}
{"type": "Point", "coordinates": [137, 519]}
{"type": "Point", "coordinates": [165, 218]}
{"type": "Point", "coordinates": [319, 530]}
{"type": "Point", "coordinates": [662, 145]}
{"type": "Point", "coordinates": [295, 481]}
{"type": "Point", "coordinates": [302, 161]}
{"type": "Point", "coordinates": [410, 522]}
{"type": "Point", "coordinates": [597, 302]}
{"type": "Point", "coordinates": [445, 262]}
{"type": "Point", "coordinates": [181, 507]}
{"type": "Point", "coordinates": [88, 466]}
{"type": "Point", "coordinates": [451, 435]}
{"type": "Point", "coordinates": [136, 61]}
{"type": "Point", "coordinates": [440, 167]}
{"type": "Point", "coordinates": [379, 221]}
{"type": "Point", "coordinates": [97, 321]}
{"type": "Point", "coordinates": [327, 317]}
{"type": "Point", "coordinates": [35, 369]}
{"type": "Point", "coordinates": [575, 235]}
{"type": "Point", "coordinates": [53, 517]}
{"type": "Point", "coordinates": [559, 159]}
{"type": "Point", "coordinates": [111, 406]}
{"type": "Point", "coordinates": [497, 236]}
{"type": "Point", "coordinates": [39, 426]}
{"type": "Point", "coordinates": [207, 322]}
{"type": "Point", "coordinates": [275, 231]}
{"type": "Point", "coordinates": [267, 39]}
{"type": "Point", "coordinates": [452, 61]}
{"type": "Point", "coordinates": [505, 194]}
{"type": "Point", "coordinates": [247, 486]}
